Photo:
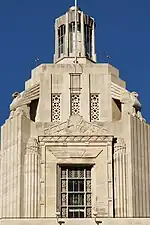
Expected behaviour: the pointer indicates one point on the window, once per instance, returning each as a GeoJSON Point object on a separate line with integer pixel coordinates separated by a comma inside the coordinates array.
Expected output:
{"type": "Point", "coordinates": [61, 39]}
{"type": "Point", "coordinates": [116, 109]}
{"type": "Point", "coordinates": [72, 34]}
{"type": "Point", "coordinates": [88, 40]}
{"type": "Point", "coordinates": [33, 109]}
{"type": "Point", "coordinates": [75, 191]}
{"type": "Point", "coordinates": [55, 107]}
{"type": "Point", "coordinates": [95, 107]}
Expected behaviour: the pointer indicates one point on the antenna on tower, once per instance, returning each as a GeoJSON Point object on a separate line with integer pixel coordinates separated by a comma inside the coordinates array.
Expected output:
{"type": "Point", "coordinates": [76, 32]}
{"type": "Point", "coordinates": [37, 60]}
{"type": "Point", "coordinates": [108, 57]}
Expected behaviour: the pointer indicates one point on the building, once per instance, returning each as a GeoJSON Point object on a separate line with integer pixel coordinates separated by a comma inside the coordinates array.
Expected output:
{"type": "Point", "coordinates": [75, 148]}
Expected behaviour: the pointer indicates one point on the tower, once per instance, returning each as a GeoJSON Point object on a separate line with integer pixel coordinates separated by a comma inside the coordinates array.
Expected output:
{"type": "Point", "coordinates": [65, 37]}
{"type": "Point", "coordinates": [75, 145]}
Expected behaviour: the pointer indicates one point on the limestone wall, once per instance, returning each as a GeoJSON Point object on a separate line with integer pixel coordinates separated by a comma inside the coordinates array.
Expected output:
{"type": "Point", "coordinates": [140, 160]}
{"type": "Point", "coordinates": [94, 79]}
{"type": "Point", "coordinates": [14, 134]}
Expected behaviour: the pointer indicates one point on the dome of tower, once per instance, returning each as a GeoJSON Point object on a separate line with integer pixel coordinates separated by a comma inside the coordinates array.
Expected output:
{"type": "Point", "coordinates": [72, 8]}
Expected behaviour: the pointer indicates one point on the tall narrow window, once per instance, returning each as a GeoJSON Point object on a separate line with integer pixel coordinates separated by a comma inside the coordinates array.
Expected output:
{"type": "Point", "coordinates": [33, 109]}
{"type": "Point", "coordinates": [55, 107]}
{"type": "Point", "coordinates": [61, 39]}
{"type": "Point", "coordinates": [71, 36]}
{"type": "Point", "coordinates": [88, 39]}
{"type": "Point", "coordinates": [75, 191]}
{"type": "Point", "coordinates": [72, 33]}
{"type": "Point", "coordinates": [75, 94]}
{"type": "Point", "coordinates": [95, 107]}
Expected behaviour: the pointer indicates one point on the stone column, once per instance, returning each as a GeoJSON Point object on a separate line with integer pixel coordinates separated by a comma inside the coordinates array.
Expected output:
{"type": "Point", "coordinates": [56, 42]}
{"type": "Point", "coordinates": [32, 179]}
{"type": "Point", "coordinates": [110, 177]}
{"type": "Point", "coordinates": [67, 36]}
{"type": "Point", "coordinates": [93, 43]}
{"type": "Point", "coordinates": [82, 35]}
{"type": "Point", "coordinates": [120, 178]}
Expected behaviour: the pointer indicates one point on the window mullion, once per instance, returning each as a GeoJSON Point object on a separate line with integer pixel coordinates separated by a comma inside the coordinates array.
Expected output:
{"type": "Point", "coordinates": [67, 191]}
{"type": "Point", "coordinates": [84, 193]}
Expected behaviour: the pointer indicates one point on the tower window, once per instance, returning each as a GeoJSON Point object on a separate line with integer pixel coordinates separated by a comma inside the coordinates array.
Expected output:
{"type": "Point", "coordinates": [116, 109]}
{"type": "Point", "coordinates": [75, 191]}
{"type": "Point", "coordinates": [72, 34]}
{"type": "Point", "coordinates": [94, 107]}
{"type": "Point", "coordinates": [88, 39]}
{"type": "Point", "coordinates": [33, 109]}
{"type": "Point", "coordinates": [61, 39]}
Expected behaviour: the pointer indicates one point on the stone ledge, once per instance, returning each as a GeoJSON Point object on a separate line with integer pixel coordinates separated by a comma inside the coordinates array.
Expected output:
{"type": "Point", "coordinates": [53, 221]}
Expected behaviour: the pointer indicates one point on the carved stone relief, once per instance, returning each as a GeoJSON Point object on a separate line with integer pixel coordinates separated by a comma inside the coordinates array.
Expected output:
{"type": "Point", "coordinates": [32, 146]}
{"type": "Point", "coordinates": [119, 145]}
{"type": "Point", "coordinates": [67, 139]}
{"type": "Point", "coordinates": [72, 152]}
{"type": "Point", "coordinates": [131, 104]}
{"type": "Point", "coordinates": [75, 125]}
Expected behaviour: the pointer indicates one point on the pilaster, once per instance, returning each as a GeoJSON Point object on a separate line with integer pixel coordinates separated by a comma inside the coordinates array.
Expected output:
{"type": "Point", "coordinates": [32, 179]}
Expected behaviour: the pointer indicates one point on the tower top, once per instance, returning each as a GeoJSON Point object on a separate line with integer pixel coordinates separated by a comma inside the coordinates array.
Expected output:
{"type": "Point", "coordinates": [74, 37]}
{"type": "Point", "coordinates": [72, 8]}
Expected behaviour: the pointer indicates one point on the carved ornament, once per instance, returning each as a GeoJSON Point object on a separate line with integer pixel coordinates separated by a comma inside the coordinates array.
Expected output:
{"type": "Point", "coordinates": [81, 138]}
{"type": "Point", "coordinates": [74, 153]}
{"type": "Point", "coordinates": [32, 146]}
{"type": "Point", "coordinates": [75, 125]}
{"type": "Point", "coordinates": [119, 145]}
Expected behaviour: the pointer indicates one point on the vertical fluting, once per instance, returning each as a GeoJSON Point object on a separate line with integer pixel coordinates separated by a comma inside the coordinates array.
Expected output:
{"type": "Point", "coordinates": [120, 179]}
{"type": "Point", "coordinates": [32, 181]}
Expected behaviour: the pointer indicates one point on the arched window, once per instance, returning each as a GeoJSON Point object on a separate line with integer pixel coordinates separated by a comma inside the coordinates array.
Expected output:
{"type": "Point", "coordinates": [61, 39]}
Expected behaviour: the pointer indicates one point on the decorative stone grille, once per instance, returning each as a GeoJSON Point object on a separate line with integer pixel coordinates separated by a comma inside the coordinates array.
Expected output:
{"type": "Point", "coordinates": [75, 104]}
{"type": "Point", "coordinates": [55, 107]}
{"type": "Point", "coordinates": [95, 107]}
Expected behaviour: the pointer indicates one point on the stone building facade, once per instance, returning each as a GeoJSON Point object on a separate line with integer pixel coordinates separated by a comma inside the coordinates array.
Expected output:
{"type": "Point", "coordinates": [75, 148]}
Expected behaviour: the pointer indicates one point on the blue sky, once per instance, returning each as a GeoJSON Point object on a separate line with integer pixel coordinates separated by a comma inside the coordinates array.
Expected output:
{"type": "Point", "coordinates": [27, 32]}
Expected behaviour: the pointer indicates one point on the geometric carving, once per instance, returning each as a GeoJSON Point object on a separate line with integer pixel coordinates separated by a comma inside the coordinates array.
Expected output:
{"type": "Point", "coordinates": [75, 104]}
{"type": "Point", "coordinates": [66, 139]}
{"type": "Point", "coordinates": [55, 107]}
{"type": "Point", "coordinates": [75, 125]}
{"type": "Point", "coordinates": [94, 107]}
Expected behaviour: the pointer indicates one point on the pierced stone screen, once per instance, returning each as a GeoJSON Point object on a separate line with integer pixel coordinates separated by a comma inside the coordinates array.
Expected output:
{"type": "Point", "coordinates": [76, 192]}
{"type": "Point", "coordinates": [55, 107]}
{"type": "Point", "coordinates": [95, 107]}
{"type": "Point", "coordinates": [75, 104]}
